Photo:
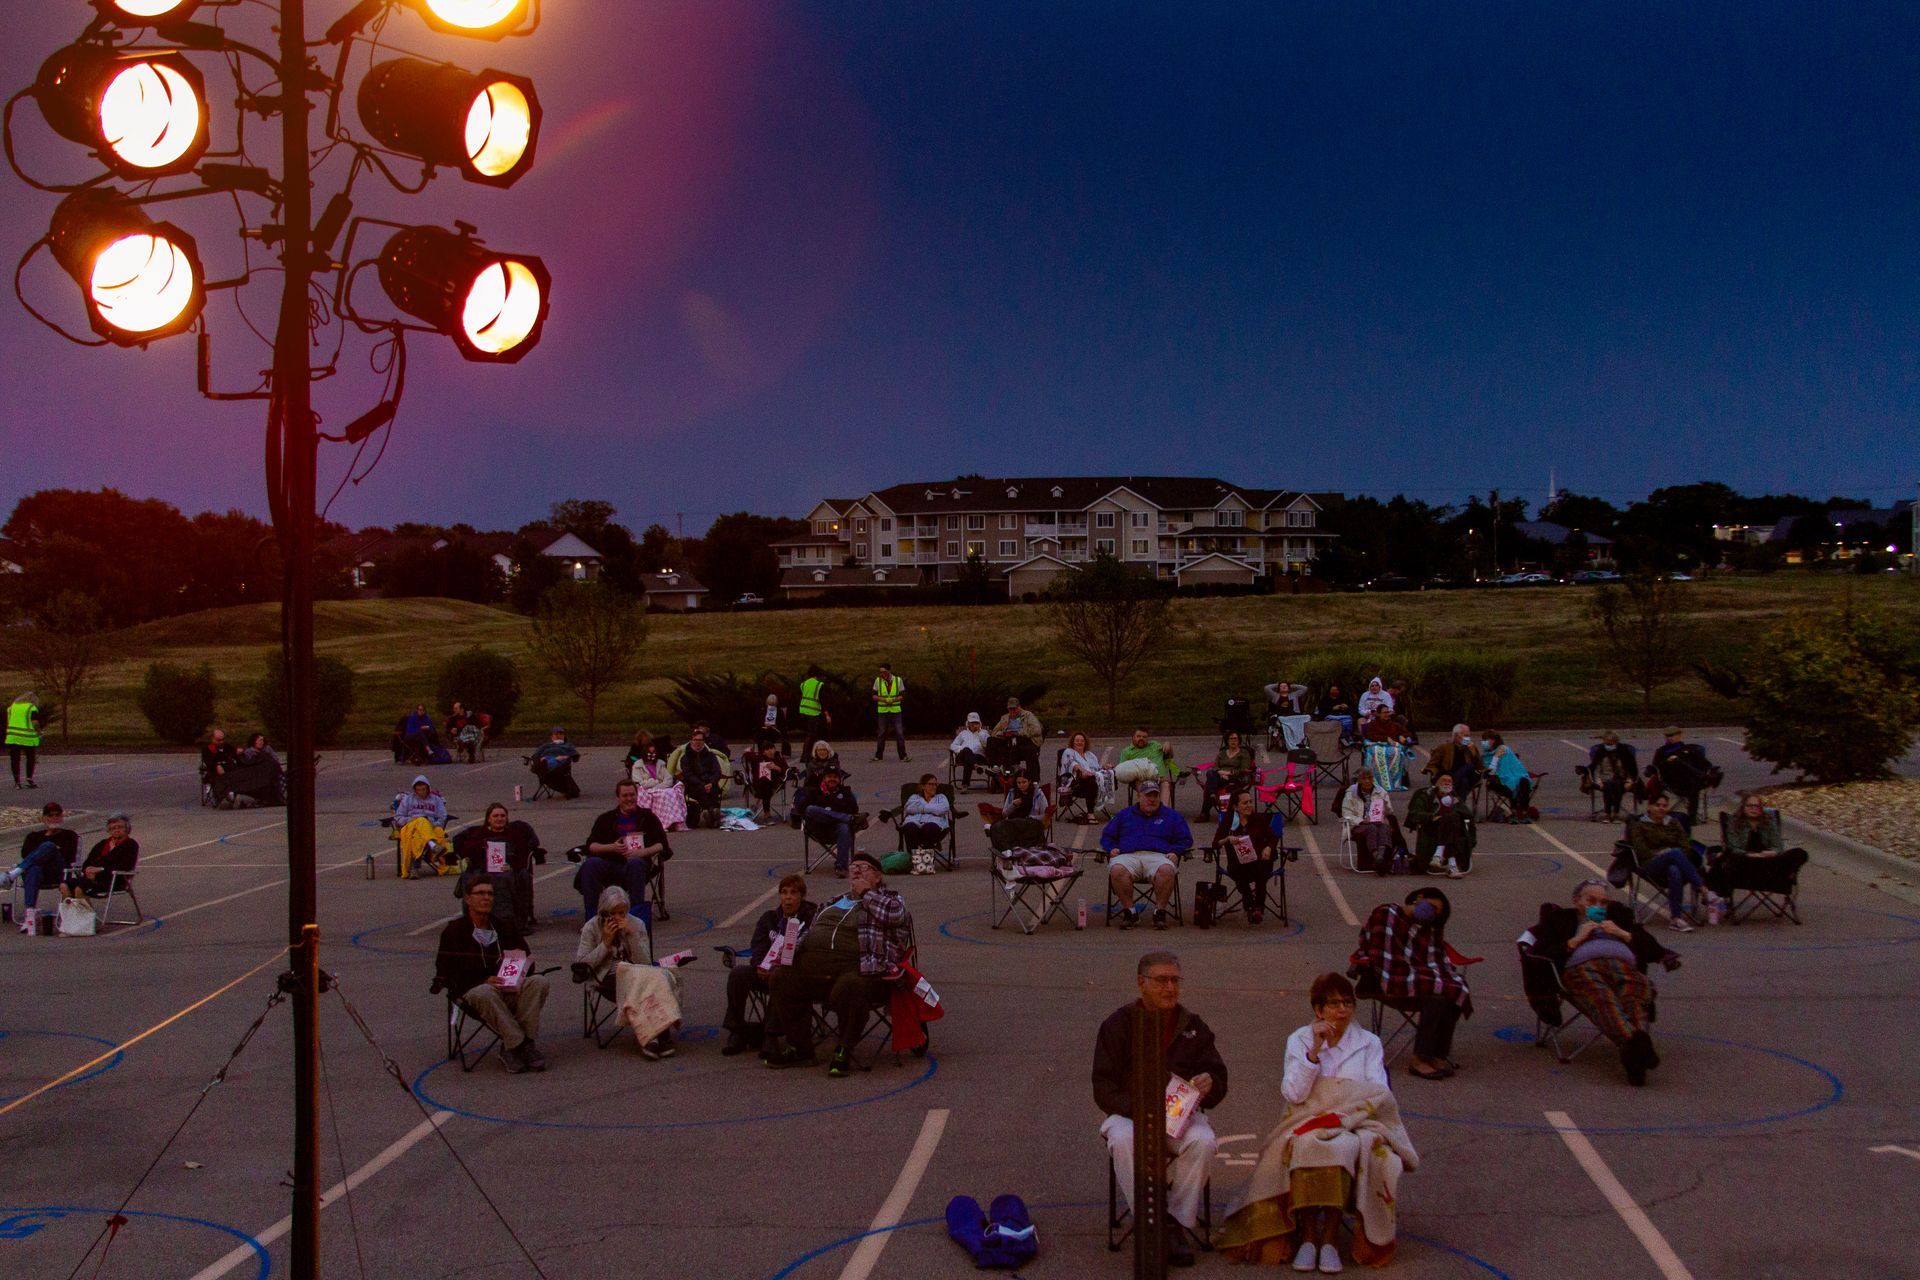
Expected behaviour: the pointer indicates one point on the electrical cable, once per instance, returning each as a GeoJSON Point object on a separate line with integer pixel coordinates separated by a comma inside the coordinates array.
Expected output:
{"type": "Point", "coordinates": [20, 294]}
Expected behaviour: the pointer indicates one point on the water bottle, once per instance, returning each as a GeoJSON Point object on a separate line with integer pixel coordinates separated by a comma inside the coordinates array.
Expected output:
{"type": "Point", "coordinates": [516, 793]}
{"type": "Point", "coordinates": [371, 871]}
{"type": "Point", "coordinates": [1714, 909]}
{"type": "Point", "coordinates": [1080, 917]}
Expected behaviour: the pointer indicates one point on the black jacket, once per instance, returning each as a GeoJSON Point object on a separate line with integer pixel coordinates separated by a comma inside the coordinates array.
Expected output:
{"type": "Point", "coordinates": [461, 964]}
{"type": "Point", "coordinates": [65, 839]}
{"type": "Point", "coordinates": [124, 858]}
{"type": "Point", "coordinates": [520, 839]}
{"type": "Point", "coordinates": [1191, 1053]}
{"type": "Point", "coordinates": [701, 768]}
{"type": "Point", "coordinates": [1552, 936]}
{"type": "Point", "coordinates": [776, 919]}
{"type": "Point", "coordinates": [606, 830]}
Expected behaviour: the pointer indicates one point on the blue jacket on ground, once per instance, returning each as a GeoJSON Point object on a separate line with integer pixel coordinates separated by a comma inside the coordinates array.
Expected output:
{"type": "Point", "coordinates": [1130, 831]}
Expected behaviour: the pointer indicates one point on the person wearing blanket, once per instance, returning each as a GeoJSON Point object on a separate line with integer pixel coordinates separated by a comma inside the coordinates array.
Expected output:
{"type": "Point", "coordinates": [620, 954]}
{"type": "Point", "coordinates": [1191, 1055]}
{"type": "Point", "coordinates": [1339, 1143]}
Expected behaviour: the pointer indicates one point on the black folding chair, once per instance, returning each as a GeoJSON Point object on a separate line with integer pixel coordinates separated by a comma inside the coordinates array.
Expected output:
{"type": "Point", "coordinates": [465, 1029]}
{"type": "Point", "coordinates": [1758, 886]}
{"type": "Point", "coordinates": [1144, 889]}
{"type": "Point", "coordinates": [947, 851]}
{"type": "Point", "coordinates": [1120, 1218]}
{"type": "Point", "coordinates": [1015, 887]}
{"type": "Point", "coordinates": [1398, 1037]}
{"type": "Point", "coordinates": [1564, 1037]}
{"type": "Point", "coordinates": [1226, 890]}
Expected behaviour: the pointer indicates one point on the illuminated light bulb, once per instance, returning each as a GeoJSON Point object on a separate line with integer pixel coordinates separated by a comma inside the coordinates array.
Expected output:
{"type": "Point", "coordinates": [485, 124]}
{"type": "Point", "coordinates": [143, 114]}
{"type": "Point", "coordinates": [493, 305]}
{"type": "Point", "coordinates": [504, 304]}
{"type": "Point", "coordinates": [141, 13]}
{"type": "Point", "coordinates": [139, 279]}
{"type": "Point", "coordinates": [499, 128]}
{"type": "Point", "coordinates": [150, 116]}
{"type": "Point", "coordinates": [487, 19]}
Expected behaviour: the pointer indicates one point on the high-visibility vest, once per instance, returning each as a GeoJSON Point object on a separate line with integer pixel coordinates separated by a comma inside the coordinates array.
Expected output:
{"type": "Point", "coordinates": [20, 730]}
{"type": "Point", "coordinates": [810, 695]}
{"type": "Point", "coordinates": [889, 691]}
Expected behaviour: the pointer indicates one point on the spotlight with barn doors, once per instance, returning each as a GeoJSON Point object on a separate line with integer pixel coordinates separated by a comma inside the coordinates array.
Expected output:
{"type": "Point", "coordinates": [143, 114]}
{"type": "Point", "coordinates": [140, 279]}
{"type": "Point", "coordinates": [493, 305]}
{"type": "Point", "coordinates": [484, 124]}
{"type": "Point", "coordinates": [487, 19]}
{"type": "Point", "coordinates": [143, 13]}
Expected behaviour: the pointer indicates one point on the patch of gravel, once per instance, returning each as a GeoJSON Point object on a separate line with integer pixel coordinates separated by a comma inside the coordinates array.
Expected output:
{"type": "Point", "coordinates": [1885, 815]}
{"type": "Point", "coordinates": [13, 815]}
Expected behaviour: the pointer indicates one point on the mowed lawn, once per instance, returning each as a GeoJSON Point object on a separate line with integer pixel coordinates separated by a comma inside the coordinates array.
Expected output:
{"type": "Point", "coordinates": [1218, 647]}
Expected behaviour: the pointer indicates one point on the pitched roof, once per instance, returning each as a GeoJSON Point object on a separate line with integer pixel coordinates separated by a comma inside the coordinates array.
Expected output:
{"type": "Point", "coordinates": [844, 577]}
{"type": "Point", "coordinates": [811, 540]}
{"type": "Point", "coordinates": [1556, 534]}
{"type": "Point", "coordinates": [1069, 493]}
{"type": "Point", "coordinates": [675, 581]}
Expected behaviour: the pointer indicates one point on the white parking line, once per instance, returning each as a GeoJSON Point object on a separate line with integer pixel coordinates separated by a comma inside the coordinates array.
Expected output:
{"type": "Point", "coordinates": [748, 910]}
{"type": "Point", "coordinates": [1908, 1152]}
{"type": "Point", "coordinates": [1576, 746]}
{"type": "Point", "coordinates": [1735, 742]}
{"type": "Point", "coordinates": [864, 1258]}
{"type": "Point", "coordinates": [1561, 845]}
{"type": "Point", "coordinates": [146, 858]}
{"type": "Point", "coordinates": [170, 916]}
{"type": "Point", "coordinates": [1326, 878]}
{"type": "Point", "coordinates": [245, 1253]}
{"type": "Point", "coordinates": [1616, 1195]}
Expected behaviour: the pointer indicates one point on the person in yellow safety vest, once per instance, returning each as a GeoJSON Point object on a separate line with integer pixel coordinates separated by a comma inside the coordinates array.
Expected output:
{"type": "Point", "coordinates": [889, 700]}
{"type": "Point", "coordinates": [814, 720]}
{"type": "Point", "coordinates": [23, 736]}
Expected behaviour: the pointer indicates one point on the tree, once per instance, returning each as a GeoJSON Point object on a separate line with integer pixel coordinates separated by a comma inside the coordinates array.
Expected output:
{"type": "Point", "coordinates": [484, 681]}
{"type": "Point", "coordinates": [588, 635]}
{"type": "Point", "coordinates": [658, 550]}
{"type": "Point", "coordinates": [973, 584]}
{"type": "Point", "coordinates": [178, 702]}
{"type": "Point", "coordinates": [62, 649]}
{"type": "Point", "coordinates": [456, 571]}
{"type": "Point", "coordinates": [533, 576]}
{"type": "Point", "coordinates": [1578, 511]}
{"type": "Point", "coordinates": [1110, 617]}
{"type": "Point", "coordinates": [1641, 621]}
{"type": "Point", "coordinates": [332, 698]}
{"type": "Point", "coordinates": [133, 558]}
{"type": "Point", "coordinates": [736, 555]}
{"type": "Point", "coordinates": [1834, 695]}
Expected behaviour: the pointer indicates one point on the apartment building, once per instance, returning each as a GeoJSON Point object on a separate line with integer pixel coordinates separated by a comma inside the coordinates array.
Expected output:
{"type": "Point", "coordinates": [1189, 530]}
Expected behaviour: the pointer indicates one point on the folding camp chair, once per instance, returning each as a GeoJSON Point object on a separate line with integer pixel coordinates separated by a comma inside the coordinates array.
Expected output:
{"type": "Point", "coordinates": [1564, 1037]}
{"type": "Point", "coordinates": [1288, 790]}
{"type": "Point", "coordinates": [1120, 1218]}
{"type": "Point", "coordinates": [877, 1038]}
{"type": "Point", "coordinates": [120, 883]}
{"type": "Point", "coordinates": [948, 850]}
{"type": "Point", "coordinates": [1069, 807]}
{"type": "Point", "coordinates": [1236, 716]}
{"type": "Point", "coordinates": [597, 1009]}
{"type": "Point", "coordinates": [1329, 753]}
{"type": "Point", "coordinates": [1143, 889]}
{"type": "Point", "coordinates": [1015, 887]}
{"type": "Point", "coordinates": [813, 849]}
{"type": "Point", "coordinates": [1645, 895]}
{"type": "Point", "coordinates": [465, 1029]}
{"type": "Point", "coordinates": [1399, 1037]}
{"type": "Point", "coordinates": [733, 958]}
{"type": "Point", "coordinates": [1226, 890]}
{"type": "Point", "coordinates": [1779, 897]}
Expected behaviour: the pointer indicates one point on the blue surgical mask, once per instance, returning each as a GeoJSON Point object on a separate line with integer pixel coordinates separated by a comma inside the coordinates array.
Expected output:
{"type": "Point", "coordinates": [1425, 911]}
{"type": "Point", "coordinates": [1596, 914]}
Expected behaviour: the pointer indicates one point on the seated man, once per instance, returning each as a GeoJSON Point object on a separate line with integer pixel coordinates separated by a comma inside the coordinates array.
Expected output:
{"type": "Point", "coordinates": [1156, 760]}
{"type": "Point", "coordinates": [850, 959]}
{"type": "Point", "coordinates": [925, 817]}
{"type": "Point", "coordinates": [1458, 757]}
{"type": "Point", "coordinates": [1191, 1055]}
{"type": "Point", "coordinates": [1442, 828]}
{"type": "Point", "coordinates": [46, 852]}
{"type": "Point", "coordinates": [419, 736]}
{"type": "Point", "coordinates": [1602, 954]}
{"type": "Point", "coordinates": [626, 845]}
{"type": "Point", "coordinates": [1141, 842]}
{"type": "Point", "coordinates": [1663, 853]}
{"type": "Point", "coordinates": [766, 771]}
{"type": "Point", "coordinates": [1685, 770]}
{"type": "Point", "coordinates": [118, 852]}
{"type": "Point", "coordinates": [703, 778]}
{"type": "Point", "coordinates": [744, 979]}
{"type": "Point", "coordinates": [969, 747]}
{"type": "Point", "coordinates": [1016, 739]}
{"type": "Point", "coordinates": [1615, 770]}
{"type": "Point", "coordinates": [469, 730]}
{"type": "Point", "coordinates": [467, 966]}
{"type": "Point", "coordinates": [1384, 749]}
{"type": "Point", "coordinates": [616, 954]}
{"type": "Point", "coordinates": [552, 764]}
{"type": "Point", "coordinates": [215, 759]}
{"type": "Point", "coordinates": [503, 851]}
{"type": "Point", "coordinates": [1368, 810]}
{"type": "Point", "coordinates": [420, 825]}
{"type": "Point", "coordinates": [831, 815]}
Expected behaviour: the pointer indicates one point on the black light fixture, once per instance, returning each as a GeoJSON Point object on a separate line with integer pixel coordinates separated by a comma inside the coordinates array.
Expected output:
{"type": "Point", "coordinates": [493, 305]}
{"type": "Point", "coordinates": [486, 19]}
{"type": "Point", "coordinates": [484, 124]}
{"type": "Point", "coordinates": [145, 13]}
{"type": "Point", "coordinates": [139, 279]}
{"type": "Point", "coordinates": [143, 114]}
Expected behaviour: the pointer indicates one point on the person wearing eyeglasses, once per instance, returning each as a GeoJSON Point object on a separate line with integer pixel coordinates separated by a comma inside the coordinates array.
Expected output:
{"type": "Point", "coordinates": [1191, 1055]}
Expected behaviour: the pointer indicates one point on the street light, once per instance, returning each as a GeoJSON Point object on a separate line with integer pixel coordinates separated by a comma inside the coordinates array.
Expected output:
{"type": "Point", "coordinates": [143, 114]}
{"type": "Point", "coordinates": [486, 19]}
{"type": "Point", "coordinates": [141, 13]}
{"type": "Point", "coordinates": [482, 123]}
{"type": "Point", "coordinates": [140, 279]}
{"type": "Point", "coordinates": [492, 305]}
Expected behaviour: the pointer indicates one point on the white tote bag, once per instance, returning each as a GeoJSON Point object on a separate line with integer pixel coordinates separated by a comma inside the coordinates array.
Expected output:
{"type": "Point", "coordinates": [77, 919]}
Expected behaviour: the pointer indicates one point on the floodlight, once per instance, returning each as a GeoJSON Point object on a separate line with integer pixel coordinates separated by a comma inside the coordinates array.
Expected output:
{"type": "Point", "coordinates": [484, 124]}
{"type": "Point", "coordinates": [143, 114]}
{"type": "Point", "coordinates": [487, 19]}
{"type": "Point", "coordinates": [139, 279]}
{"type": "Point", "coordinates": [145, 13]}
{"type": "Point", "coordinates": [493, 305]}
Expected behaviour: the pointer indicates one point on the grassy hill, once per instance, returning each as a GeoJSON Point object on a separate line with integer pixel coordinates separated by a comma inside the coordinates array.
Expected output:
{"type": "Point", "coordinates": [1219, 647]}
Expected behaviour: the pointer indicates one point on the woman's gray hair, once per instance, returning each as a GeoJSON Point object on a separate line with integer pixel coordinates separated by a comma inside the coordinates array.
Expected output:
{"type": "Point", "coordinates": [613, 896]}
{"type": "Point", "coordinates": [120, 818]}
{"type": "Point", "coordinates": [1593, 883]}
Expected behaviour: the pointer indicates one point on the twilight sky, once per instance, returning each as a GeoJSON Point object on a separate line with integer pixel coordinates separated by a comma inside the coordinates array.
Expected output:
{"type": "Point", "coordinates": [813, 248]}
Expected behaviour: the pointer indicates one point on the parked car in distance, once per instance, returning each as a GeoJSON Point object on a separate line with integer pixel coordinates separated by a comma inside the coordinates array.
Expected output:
{"type": "Point", "coordinates": [747, 601]}
{"type": "Point", "coordinates": [1586, 576]}
{"type": "Point", "coordinates": [1528, 580]}
{"type": "Point", "coordinates": [1679, 577]}
{"type": "Point", "coordinates": [1391, 582]}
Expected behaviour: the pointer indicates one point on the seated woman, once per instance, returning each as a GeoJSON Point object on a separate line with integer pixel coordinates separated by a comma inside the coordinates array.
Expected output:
{"type": "Point", "coordinates": [1232, 770]}
{"type": "Point", "coordinates": [118, 852]}
{"type": "Point", "coordinates": [1339, 1145]}
{"type": "Point", "coordinates": [766, 770]}
{"type": "Point", "coordinates": [969, 747]}
{"type": "Point", "coordinates": [925, 818]}
{"type": "Point", "coordinates": [1246, 845]}
{"type": "Point", "coordinates": [258, 752]}
{"type": "Point", "coordinates": [822, 759]}
{"type": "Point", "coordinates": [637, 749]}
{"type": "Point", "coordinates": [1508, 779]}
{"type": "Point", "coordinates": [1375, 697]}
{"type": "Point", "coordinates": [502, 850]}
{"type": "Point", "coordinates": [745, 979]}
{"type": "Point", "coordinates": [420, 825]}
{"type": "Point", "coordinates": [1335, 705]}
{"type": "Point", "coordinates": [1082, 776]}
{"type": "Point", "coordinates": [1403, 956]}
{"type": "Point", "coordinates": [1602, 954]}
{"type": "Point", "coordinates": [1024, 802]}
{"type": "Point", "coordinates": [1384, 751]}
{"type": "Point", "coordinates": [1754, 856]}
{"type": "Point", "coordinates": [617, 955]}
{"type": "Point", "coordinates": [1377, 840]}
{"type": "Point", "coordinates": [658, 791]}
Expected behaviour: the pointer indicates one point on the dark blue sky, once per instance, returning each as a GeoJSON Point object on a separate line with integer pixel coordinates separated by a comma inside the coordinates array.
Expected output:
{"type": "Point", "coordinates": [815, 248]}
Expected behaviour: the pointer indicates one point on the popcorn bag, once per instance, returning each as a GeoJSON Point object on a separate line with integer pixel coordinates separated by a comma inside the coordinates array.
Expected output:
{"type": "Point", "coordinates": [1183, 1103]}
{"type": "Point", "coordinates": [496, 857]}
{"type": "Point", "coordinates": [1243, 848]}
{"type": "Point", "coordinates": [513, 969]}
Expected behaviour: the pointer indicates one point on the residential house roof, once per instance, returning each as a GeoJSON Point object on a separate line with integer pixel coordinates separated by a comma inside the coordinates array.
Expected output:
{"type": "Point", "coordinates": [1072, 493]}
{"type": "Point", "coordinates": [1557, 534]}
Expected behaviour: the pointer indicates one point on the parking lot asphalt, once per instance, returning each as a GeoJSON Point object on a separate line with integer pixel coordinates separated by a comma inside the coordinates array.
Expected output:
{"type": "Point", "coordinates": [1779, 1137]}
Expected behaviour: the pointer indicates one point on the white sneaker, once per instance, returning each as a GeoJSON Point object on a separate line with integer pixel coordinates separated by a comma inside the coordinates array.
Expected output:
{"type": "Point", "coordinates": [1454, 872]}
{"type": "Point", "coordinates": [26, 926]}
{"type": "Point", "coordinates": [7, 878]}
{"type": "Point", "coordinates": [1329, 1260]}
{"type": "Point", "coordinates": [1680, 924]}
{"type": "Point", "coordinates": [1304, 1260]}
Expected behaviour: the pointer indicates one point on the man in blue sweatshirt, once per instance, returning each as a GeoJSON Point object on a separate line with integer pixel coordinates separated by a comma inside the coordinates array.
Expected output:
{"type": "Point", "coordinates": [1140, 842]}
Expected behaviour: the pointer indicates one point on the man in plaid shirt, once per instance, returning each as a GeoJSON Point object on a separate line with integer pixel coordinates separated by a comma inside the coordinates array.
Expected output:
{"type": "Point", "coordinates": [850, 960]}
{"type": "Point", "coordinates": [1403, 958]}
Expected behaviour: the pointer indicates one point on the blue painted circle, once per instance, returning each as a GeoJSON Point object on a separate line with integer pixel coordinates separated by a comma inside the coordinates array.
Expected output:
{"type": "Point", "coordinates": [262, 1260]}
{"type": "Point", "coordinates": [420, 1091]}
{"type": "Point", "coordinates": [119, 1056]}
{"type": "Point", "coordinates": [359, 940]}
{"type": "Point", "coordinates": [1520, 1035]}
{"type": "Point", "coordinates": [1247, 935]}
{"type": "Point", "coordinates": [836, 1245]}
